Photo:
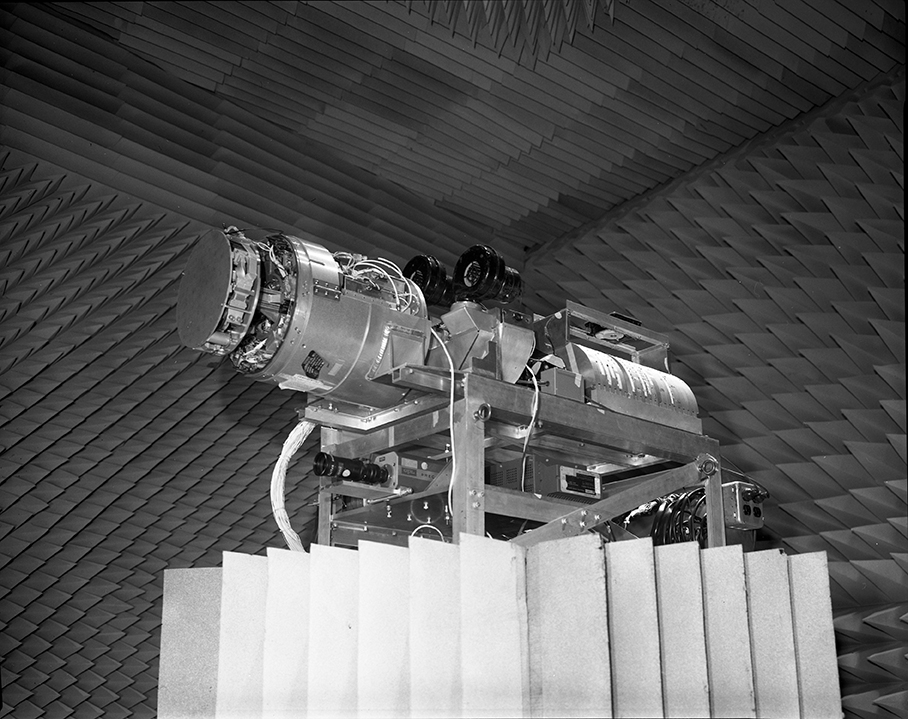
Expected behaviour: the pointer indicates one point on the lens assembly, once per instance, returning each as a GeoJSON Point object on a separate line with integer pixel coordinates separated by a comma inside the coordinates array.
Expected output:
{"type": "Point", "coordinates": [429, 275]}
{"type": "Point", "coordinates": [352, 470]}
{"type": "Point", "coordinates": [481, 274]}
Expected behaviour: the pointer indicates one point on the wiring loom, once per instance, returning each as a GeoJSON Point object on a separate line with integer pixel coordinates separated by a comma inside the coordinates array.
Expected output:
{"type": "Point", "coordinates": [680, 517]}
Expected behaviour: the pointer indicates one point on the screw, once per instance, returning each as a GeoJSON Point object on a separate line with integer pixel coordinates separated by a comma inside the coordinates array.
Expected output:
{"type": "Point", "coordinates": [583, 524]}
{"type": "Point", "coordinates": [596, 517]}
{"type": "Point", "coordinates": [475, 505]}
{"type": "Point", "coordinates": [563, 521]}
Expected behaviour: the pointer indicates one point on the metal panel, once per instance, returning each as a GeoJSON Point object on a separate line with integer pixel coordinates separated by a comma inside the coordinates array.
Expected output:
{"type": "Point", "coordinates": [727, 633]}
{"type": "Point", "coordinates": [286, 657]}
{"type": "Point", "coordinates": [241, 647]}
{"type": "Point", "coordinates": [494, 655]}
{"type": "Point", "coordinates": [570, 659]}
{"type": "Point", "coordinates": [685, 682]}
{"type": "Point", "coordinates": [383, 665]}
{"type": "Point", "coordinates": [769, 609]}
{"type": "Point", "coordinates": [814, 639]}
{"type": "Point", "coordinates": [435, 653]}
{"type": "Point", "coordinates": [333, 631]}
{"type": "Point", "coordinates": [187, 677]}
{"type": "Point", "coordinates": [634, 629]}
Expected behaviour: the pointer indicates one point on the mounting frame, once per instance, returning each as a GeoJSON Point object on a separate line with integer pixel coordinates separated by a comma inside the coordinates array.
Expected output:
{"type": "Point", "coordinates": [491, 416]}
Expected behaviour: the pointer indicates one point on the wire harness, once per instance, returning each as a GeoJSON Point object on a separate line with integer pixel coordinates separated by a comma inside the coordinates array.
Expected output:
{"type": "Point", "coordinates": [294, 441]}
{"type": "Point", "coordinates": [451, 398]}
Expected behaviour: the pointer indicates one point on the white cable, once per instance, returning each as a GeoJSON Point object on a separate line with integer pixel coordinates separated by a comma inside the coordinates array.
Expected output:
{"type": "Point", "coordinates": [526, 440]}
{"type": "Point", "coordinates": [370, 266]}
{"type": "Point", "coordinates": [429, 526]}
{"type": "Point", "coordinates": [410, 296]}
{"type": "Point", "coordinates": [450, 419]}
{"type": "Point", "coordinates": [270, 250]}
{"type": "Point", "coordinates": [345, 259]}
{"type": "Point", "coordinates": [254, 348]}
{"type": "Point", "coordinates": [387, 265]}
{"type": "Point", "coordinates": [293, 442]}
{"type": "Point", "coordinates": [386, 269]}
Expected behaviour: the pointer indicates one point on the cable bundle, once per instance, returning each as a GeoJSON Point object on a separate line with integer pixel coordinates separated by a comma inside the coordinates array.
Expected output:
{"type": "Point", "coordinates": [680, 517]}
{"type": "Point", "coordinates": [294, 441]}
{"type": "Point", "coordinates": [361, 268]}
{"type": "Point", "coordinates": [676, 517]}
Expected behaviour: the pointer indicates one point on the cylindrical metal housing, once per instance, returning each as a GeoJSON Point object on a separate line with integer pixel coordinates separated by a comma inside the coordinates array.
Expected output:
{"type": "Point", "coordinates": [635, 389]}
{"type": "Point", "coordinates": [318, 326]}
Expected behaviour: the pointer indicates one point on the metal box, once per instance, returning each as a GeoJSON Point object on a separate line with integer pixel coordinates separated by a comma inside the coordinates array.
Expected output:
{"type": "Point", "coordinates": [743, 506]}
{"type": "Point", "coordinates": [561, 383]}
{"type": "Point", "coordinates": [546, 478]}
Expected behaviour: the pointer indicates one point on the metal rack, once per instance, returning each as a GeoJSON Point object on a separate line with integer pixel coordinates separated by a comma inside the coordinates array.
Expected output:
{"type": "Point", "coordinates": [491, 418]}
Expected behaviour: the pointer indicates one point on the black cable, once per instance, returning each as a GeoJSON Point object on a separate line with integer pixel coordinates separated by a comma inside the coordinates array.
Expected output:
{"type": "Point", "coordinates": [748, 479]}
{"type": "Point", "coordinates": [680, 517]}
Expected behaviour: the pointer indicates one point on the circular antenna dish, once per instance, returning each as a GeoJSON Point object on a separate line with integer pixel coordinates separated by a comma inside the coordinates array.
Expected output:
{"type": "Point", "coordinates": [218, 283]}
